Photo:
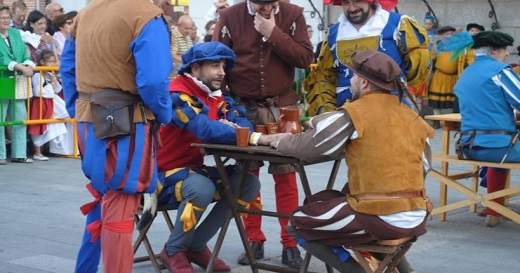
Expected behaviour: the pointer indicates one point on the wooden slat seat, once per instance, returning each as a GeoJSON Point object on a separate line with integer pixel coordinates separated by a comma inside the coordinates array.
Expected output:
{"type": "Point", "coordinates": [454, 159]}
{"type": "Point", "coordinates": [392, 252]}
{"type": "Point", "coordinates": [472, 194]}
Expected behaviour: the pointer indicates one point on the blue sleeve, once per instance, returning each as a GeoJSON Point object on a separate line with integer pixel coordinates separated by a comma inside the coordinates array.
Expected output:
{"type": "Point", "coordinates": [510, 83]}
{"type": "Point", "coordinates": [68, 75]}
{"type": "Point", "coordinates": [151, 50]}
{"type": "Point", "coordinates": [191, 114]}
{"type": "Point", "coordinates": [236, 113]}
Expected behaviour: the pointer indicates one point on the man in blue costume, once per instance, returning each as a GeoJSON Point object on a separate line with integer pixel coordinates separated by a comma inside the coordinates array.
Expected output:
{"type": "Point", "coordinates": [117, 56]}
{"type": "Point", "coordinates": [202, 114]}
{"type": "Point", "coordinates": [366, 25]}
{"type": "Point", "coordinates": [489, 95]}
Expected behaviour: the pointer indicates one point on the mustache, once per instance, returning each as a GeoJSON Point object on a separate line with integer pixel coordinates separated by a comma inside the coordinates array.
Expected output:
{"type": "Point", "coordinates": [355, 11]}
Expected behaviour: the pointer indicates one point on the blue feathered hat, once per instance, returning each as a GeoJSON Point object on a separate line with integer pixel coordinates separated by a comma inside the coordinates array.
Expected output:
{"type": "Point", "coordinates": [210, 51]}
{"type": "Point", "coordinates": [429, 17]}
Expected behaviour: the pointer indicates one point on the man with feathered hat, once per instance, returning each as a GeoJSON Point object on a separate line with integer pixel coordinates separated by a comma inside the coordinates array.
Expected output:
{"type": "Point", "coordinates": [366, 25]}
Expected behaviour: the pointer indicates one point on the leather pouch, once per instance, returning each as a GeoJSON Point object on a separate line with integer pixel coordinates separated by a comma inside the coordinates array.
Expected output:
{"type": "Point", "coordinates": [112, 114]}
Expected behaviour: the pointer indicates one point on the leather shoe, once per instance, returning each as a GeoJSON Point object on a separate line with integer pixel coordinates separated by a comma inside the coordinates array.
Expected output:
{"type": "Point", "coordinates": [202, 259]}
{"type": "Point", "coordinates": [177, 263]}
{"type": "Point", "coordinates": [492, 221]}
{"type": "Point", "coordinates": [291, 257]}
{"type": "Point", "coordinates": [258, 252]}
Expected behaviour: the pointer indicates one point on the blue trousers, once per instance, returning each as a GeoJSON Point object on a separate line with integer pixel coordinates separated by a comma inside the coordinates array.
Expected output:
{"type": "Point", "coordinates": [200, 190]}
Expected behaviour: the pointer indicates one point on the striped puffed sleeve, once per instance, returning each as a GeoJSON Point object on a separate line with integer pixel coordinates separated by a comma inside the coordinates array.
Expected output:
{"type": "Point", "coordinates": [331, 132]}
{"type": "Point", "coordinates": [413, 45]}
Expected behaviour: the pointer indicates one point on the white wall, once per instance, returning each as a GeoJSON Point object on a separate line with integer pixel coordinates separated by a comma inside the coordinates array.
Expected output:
{"type": "Point", "coordinates": [70, 5]}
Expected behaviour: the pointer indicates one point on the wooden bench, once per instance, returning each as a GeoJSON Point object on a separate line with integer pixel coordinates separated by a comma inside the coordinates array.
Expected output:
{"type": "Point", "coordinates": [392, 250]}
{"type": "Point", "coordinates": [450, 180]}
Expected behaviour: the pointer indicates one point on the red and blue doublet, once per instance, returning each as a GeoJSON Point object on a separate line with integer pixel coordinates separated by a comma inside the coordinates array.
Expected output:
{"type": "Point", "coordinates": [195, 120]}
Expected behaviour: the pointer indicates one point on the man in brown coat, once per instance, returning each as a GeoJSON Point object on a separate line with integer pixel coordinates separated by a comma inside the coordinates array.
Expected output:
{"type": "Point", "coordinates": [270, 39]}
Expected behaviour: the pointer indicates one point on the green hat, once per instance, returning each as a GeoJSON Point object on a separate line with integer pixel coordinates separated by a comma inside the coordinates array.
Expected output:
{"type": "Point", "coordinates": [492, 38]}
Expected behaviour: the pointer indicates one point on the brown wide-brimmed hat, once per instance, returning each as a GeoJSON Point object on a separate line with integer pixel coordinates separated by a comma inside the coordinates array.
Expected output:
{"type": "Point", "coordinates": [377, 68]}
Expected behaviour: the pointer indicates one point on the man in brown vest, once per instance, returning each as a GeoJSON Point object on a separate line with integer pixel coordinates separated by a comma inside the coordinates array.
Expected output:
{"type": "Point", "coordinates": [118, 62]}
{"type": "Point", "coordinates": [385, 145]}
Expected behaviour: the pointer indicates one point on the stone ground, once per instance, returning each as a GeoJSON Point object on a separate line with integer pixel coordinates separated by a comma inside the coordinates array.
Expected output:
{"type": "Point", "coordinates": [42, 225]}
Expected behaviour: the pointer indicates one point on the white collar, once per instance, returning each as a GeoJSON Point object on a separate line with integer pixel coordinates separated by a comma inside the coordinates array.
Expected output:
{"type": "Point", "coordinates": [252, 11]}
{"type": "Point", "coordinates": [202, 86]}
{"type": "Point", "coordinates": [372, 27]}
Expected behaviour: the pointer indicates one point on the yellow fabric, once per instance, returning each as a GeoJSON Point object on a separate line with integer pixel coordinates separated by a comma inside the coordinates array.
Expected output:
{"type": "Point", "coordinates": [517, 70]}
{"type": "Point", "coordinates": [193, 105]}
{"type": "Point", "coordinates": [376, 163]}
{"type": "Point", "coordinates": [345, 48]}
{"type": "Point", "coordinates": [444, 77]}
{"type": "Point", "coordinates": [465, 60]}
{"type": "Point", "coordinates": [178, 185]}
{"type": "Point", "coordinates": [245, 205]}
{"type": "Point", "coordinates": [255, 204]}
{"type": "Point", "coordinates": [417, 57]}
{"type": "Point", "coordinates": [188, 216]}
{"type": "Point", "coordinates": [322, 81]}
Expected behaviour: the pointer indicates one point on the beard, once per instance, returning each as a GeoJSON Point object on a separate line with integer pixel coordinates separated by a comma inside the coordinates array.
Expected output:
{"type": "Point", "coordinates": [211, 86]}
{"type": "Point", "coordinates": [363, 16]}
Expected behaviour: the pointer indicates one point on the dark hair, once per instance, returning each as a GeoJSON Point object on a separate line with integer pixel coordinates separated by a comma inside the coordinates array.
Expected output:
{"type": "Point", "coordinates": [60, 21]}
{"type": "Point", "coordinates": [518, 49]}
{"type": "Point", "coordinates": [43, 56]}
{"type": "Point", "coordinates": [33, 17]}
{"type": "Point", "coordinates": [475, 25]}
{"type": "Point", "coordinates": [72, 13]}
{"type": "Point", "coordinates": [209, 24]}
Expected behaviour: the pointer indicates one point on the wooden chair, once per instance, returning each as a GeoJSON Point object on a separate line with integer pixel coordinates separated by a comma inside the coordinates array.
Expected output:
{"type": "Point", "coordinates": [392, 251]}
{"type": "Point", "coordinates": [154, 258]}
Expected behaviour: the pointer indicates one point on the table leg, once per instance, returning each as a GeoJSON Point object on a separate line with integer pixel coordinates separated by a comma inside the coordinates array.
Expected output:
{"type": "Point", "coordinates": [333, 174]}
{"type": "Point", "coordinates": [445, 149]}
{"type": "Point", "coordinates": [232, 198]}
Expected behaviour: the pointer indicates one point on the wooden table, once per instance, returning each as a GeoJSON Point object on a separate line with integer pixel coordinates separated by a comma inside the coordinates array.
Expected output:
{"type": "Point", "coordinates": [450, 122]}
{"type": "Point", "coordinates": [247, 155]}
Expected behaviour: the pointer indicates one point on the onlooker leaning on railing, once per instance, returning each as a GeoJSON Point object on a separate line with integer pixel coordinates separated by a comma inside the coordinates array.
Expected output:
{"type": "Point", "coordinates": [13, 54]}
{"type": "Point", "coordinates": [44, 105]}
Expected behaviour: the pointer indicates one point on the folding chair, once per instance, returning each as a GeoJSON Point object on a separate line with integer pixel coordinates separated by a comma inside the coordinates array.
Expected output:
{"type": "Point", "coordinates": [392, 250]}
{"type": "Point", "coordinates": [155, 259]}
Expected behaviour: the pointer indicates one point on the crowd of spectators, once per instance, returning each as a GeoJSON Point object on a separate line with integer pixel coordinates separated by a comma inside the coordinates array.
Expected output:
{"type": "Point", "coordinates": [41, 38]}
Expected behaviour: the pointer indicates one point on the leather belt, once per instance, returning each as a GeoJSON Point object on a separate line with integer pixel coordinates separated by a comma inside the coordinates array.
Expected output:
{"type": "Point", "coordinates": [390, 195]}
{"type": "Point", "coordinates": [271, 104]}
{"type": "Point", "coordinates": [487, 132]}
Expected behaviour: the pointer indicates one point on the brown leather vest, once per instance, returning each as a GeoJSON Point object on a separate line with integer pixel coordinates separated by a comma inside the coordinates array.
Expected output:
{"type": "Point", "coordinates": [386, 157]}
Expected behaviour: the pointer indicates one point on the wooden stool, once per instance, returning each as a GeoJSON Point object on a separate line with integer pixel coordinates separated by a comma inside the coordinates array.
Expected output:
{"type": "Point", "coordinates": [392, 250]}
{"type": "Point", "coordinates": [155, 259]}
